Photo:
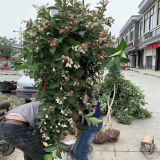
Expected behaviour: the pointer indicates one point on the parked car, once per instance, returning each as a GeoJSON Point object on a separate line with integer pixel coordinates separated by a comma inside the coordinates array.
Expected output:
{"type": "Point", "coordinates": [25, 87]}
{"type": "Point", "coordinates": [3, 66]}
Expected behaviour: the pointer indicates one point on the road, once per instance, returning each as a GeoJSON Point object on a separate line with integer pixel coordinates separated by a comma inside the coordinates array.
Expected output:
{"type": "Point", "coordinates": [127, 147]}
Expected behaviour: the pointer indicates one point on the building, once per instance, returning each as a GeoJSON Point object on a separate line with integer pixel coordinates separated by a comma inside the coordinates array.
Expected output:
{"type": "Point", "coordinates": [130, 34]}
{"type": "Point", "coordinates": [143, 48]}
{"type": "Point", "coordinates": [149, 34]}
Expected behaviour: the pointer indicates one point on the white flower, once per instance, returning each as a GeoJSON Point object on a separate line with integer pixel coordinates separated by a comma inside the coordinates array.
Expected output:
{"type": "Point", "coordinates": [44, 122]}
{"type": "Point", "coordinates": [47, 116]}
{"type": "Point", "coordinates": [48, 138]}
{"type": "Point", "coordinates": [54, 69]}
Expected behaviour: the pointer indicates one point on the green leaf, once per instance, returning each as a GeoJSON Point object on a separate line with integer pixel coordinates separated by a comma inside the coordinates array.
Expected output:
{"type": "Point", "coordinates": [48, 157]}
{"type": "Point", "coordinates": [50, 148]}
{"type": "Point", "coordinates": [116, 54]}
{"type": "Point", "coordinates": [58, 153]}
{"type": "Point", "coordinates": [82, 33]}
{"type": "Point", "coordinates": [26, 47]}
{"type": "Point", "coordinates": [60, 65]}
{"type": "Point", "coordinates": [90, 114]}
{"type": "Point", "coordinates": [89, 122]}
{"type": "Point", "coordinates": [110, 51]}
{"type": "Point", "coordinates": [110, 64]}
{"type": "Point", "coordinates": [30, 59]}
{"type": "Point", "coordinates": [54, 86]}
{"type": "Point", "coordinates": [74, 42]}
{"type": "Point", "coordinates": [63, 145]}
{"type": "Point", "coordinates": [71, 100]}
{"type": "Point", "coordinates": [58, 6]}
{"type": "Point", "coordinates": [94, 120]}
{"type": "Point", "coordinates": [123, 55]}
{"type": "Point", "coordinates": [58, 57]}
{"type": "Point", "coordinates": [124, 60]}
{"type": "Point", "coordinates": [122, 45]}
{"type": "Point", "coordinates": [53, 7]}
{"type": "Point", "coordinates": [82, 83]}
{"type": "Point", "coordinates": [94, 53]}
{"type": "Point", "coordinates": [66, 48]}
{"type": "Point", "coordinates": [70, 83]}
{"type": "Point", "coordinates": [79, 73]}
{"type": "Point", "coordinates": [74, 28]}
{"type": "Point", "coordinates": [54, 155]}
{"type": "Point", "coordinates": [60, 39]}
{"type": "Point", "coordinates": [52, 50]}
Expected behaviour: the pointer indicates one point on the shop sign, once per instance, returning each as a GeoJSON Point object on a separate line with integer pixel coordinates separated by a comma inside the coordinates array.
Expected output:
{"type": "Point", "coordinates": [148, 35]}
{"type": "Point", "coordinates": [154, 46]}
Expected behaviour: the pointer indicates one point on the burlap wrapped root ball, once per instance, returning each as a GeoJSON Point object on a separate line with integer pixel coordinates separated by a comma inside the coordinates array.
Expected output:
{"type": "Point", "coordinates": [109, 135]}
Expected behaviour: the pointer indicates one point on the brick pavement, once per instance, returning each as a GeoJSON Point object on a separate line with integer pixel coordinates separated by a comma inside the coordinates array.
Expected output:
{"type": "Point", "coordinates": [128, 145]}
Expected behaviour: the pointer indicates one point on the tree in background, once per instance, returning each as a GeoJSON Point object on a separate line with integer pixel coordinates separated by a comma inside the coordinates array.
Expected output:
{"type": "Point", "coordinates": [6, 48]}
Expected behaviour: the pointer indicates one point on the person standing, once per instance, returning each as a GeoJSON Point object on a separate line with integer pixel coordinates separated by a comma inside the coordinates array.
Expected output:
{"type": "Point", "coordinates": [88, 133]}
{"type": "Point", "coordinates": [18, 130]}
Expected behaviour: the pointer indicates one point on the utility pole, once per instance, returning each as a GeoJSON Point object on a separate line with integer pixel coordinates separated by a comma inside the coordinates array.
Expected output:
{"type": "Point", "coordinates": [20, 36]}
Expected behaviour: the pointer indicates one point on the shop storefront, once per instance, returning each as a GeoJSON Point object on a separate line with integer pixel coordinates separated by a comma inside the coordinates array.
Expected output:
{"type": "Point", "coordinates": [155, 50]}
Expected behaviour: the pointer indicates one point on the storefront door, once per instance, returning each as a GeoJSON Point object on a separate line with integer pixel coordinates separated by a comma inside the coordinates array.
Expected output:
{"type": "Point", "coordinates": [149, 62]}
{"type": "Point", "coordinates": [158, 60]}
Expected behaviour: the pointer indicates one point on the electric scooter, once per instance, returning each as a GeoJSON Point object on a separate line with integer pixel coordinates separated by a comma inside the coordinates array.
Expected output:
{"type": "Point", "coordinates": [5, 149]}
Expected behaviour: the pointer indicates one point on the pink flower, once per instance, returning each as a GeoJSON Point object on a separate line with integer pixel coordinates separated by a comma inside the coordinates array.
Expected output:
{"type": "Point", "coordinates": [63, 61]}
{"type": "Point", "coordinates": [53, 110]}
{"type": "Point", "coordinates": [71, 92]}
{"type": "Point", "coordinates": [43, 6]}
{"type": "Point", "coordinates": [85, 45]}
{"type": "Point", "coordinates": [75, 21]}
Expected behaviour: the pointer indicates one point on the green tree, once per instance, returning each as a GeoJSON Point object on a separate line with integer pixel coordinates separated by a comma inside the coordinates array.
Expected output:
{"type": "Point", "coordinates": [6, 48]}
{"type": "Point", "coordinates": [66, 55]}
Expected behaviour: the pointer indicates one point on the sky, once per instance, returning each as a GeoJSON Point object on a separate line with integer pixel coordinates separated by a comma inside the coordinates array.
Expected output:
{"type": "Point", "coordinates": [12, 12]}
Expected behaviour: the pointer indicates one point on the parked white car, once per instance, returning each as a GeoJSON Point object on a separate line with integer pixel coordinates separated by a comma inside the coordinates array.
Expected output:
{"type": "Point", "coordinates": [25, 87]}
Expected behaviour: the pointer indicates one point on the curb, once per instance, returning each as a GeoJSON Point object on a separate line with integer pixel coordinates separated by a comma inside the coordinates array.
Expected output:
{"type": "Point", "coordinates": [143, 73]}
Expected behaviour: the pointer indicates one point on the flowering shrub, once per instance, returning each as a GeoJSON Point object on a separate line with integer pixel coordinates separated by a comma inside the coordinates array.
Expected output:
{"type": "Point", "coordinates": [66, 54]}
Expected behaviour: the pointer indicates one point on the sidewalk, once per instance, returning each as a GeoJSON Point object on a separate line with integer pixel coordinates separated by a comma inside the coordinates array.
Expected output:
{"type": "Point", "coordinates": [146, 71]}
{"type": "Point", "coordinates": [128, 145]}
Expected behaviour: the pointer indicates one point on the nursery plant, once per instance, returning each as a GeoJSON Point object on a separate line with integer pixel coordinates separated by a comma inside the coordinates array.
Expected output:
{"type": "Point", "coordinates": [128, 101]}
{"type": "Point", "coordinates": [66, 54]}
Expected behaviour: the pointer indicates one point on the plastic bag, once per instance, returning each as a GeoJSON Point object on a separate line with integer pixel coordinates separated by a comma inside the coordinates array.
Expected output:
{"type": "Point", "coordinates": [69, 155]}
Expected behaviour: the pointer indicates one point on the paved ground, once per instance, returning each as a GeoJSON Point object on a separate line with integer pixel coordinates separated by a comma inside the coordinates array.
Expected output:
{"type": "Point", "coordinates": [127, 148]}
{"type": "Point", "coordinates": [147, 71]}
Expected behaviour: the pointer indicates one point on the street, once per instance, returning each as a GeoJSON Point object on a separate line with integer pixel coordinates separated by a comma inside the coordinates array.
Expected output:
{"type": "Point", "coordinates": [128, 145]}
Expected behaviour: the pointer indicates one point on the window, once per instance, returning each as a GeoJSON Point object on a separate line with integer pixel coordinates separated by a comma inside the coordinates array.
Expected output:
{"type": "Point", "coordinates": [126, 37]}
{"type": "Point", "coordinates": [140, 29]}
{"type": "Point", "coordinates": [149, 20]}
{"type": "Point", "coordinates": [131, 33]}
{"type": "Point", "coordinates": [158, 20]}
